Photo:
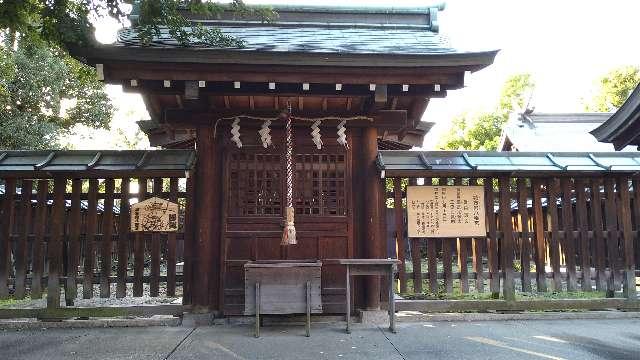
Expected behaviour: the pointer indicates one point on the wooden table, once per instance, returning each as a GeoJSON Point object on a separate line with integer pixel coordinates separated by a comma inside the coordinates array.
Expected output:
{"type": "Point", "coordinates": [370, 267]}
{"type": "Point", "coordinates": [283, 287]}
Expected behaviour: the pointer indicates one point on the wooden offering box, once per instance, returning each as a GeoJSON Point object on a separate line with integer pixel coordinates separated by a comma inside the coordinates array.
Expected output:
{"type": "Point", "coordinates": [282, 287]}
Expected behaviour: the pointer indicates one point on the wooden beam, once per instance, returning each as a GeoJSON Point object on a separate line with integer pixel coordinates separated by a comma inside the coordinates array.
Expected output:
{"type": "Point", "coordinates": [186, 119]}
{"type": "Point", "coordinates": [381, 94]}
{"type": "Point", "coordinates": [191, 90]}
{"type": "Point", "coordinates": [155, 87]}
{"type": "Point", "coordinates": [416, 111]}
{"type": "Point", "coordinates": [117, 71]}
{"type": "Point", "coordinates": [152, 106]}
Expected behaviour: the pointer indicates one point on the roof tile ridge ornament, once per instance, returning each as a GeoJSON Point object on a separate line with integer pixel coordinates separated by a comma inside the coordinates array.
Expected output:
{"type": "Point", "coordinates": [434, 25]}
{"type": "Point", "coordinates": [467, 160]}
{"type": "Point", "coordinates": [424, 161]}
{"type": "Point", "coordinates": [598, 163]}
{"type": "Point", "coordinates": [143, 160]}
{"type": "Point", "coordinates": [45, 162]}
{"type": "Point", "coordinates": [95, 160]}
{"type": "Point", "coordinates": [556, 163]}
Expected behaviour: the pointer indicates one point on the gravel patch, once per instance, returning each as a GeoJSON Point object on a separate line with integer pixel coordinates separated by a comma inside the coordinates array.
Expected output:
{"type": "Point", "coordinates": [111, 301]}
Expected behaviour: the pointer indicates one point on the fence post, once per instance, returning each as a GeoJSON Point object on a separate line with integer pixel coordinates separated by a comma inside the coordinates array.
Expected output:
{"type": "Point", "coordinates": [525, 253]}
{"type": "Point", "coordinates": [492, 243]}
{"type": "Point", "coordinates": [54, 253]}
{"type": "Point", "coordinates": [21, 255]}
{"type": "Point", "coordinates": [583, 226]}
{"type": "Point", "coordinates": [123, 238]}
{"type": "Point", "coordinates": [399, 222]}
{"type": "Point", "coordinates": [90, 239]}
{"type": "Point", "coordinates": [629, 281]}
{"type": "Point", "coordinates": [611, 215]}
{"type": "Point", "coordinates": [106, 240]}
{"type": "Point", "coordinates": [508, 287]}
{"type": "Point", "coordinates": [568, 246]}
{"type": "Point", "coordinates": [5, 235]}
{"type": "Point", "coordinates": [75, 223]}
{"type": "Point", "coordinates": [541, 248]}
{"type": "Point", "coordinates": [416, 258]}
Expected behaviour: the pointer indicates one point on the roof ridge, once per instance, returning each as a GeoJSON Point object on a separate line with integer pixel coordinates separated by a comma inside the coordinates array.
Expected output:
{"type": "Point", "coordinates": [569, 113]}
{"type": "Point", "coordinates": [425, 16]}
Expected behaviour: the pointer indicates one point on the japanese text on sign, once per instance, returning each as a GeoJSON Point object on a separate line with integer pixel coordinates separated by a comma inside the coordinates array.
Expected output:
{"type": "Point", "coordinates": [154, 214]}
{"type": "Point", "coordinates": [445, 211]}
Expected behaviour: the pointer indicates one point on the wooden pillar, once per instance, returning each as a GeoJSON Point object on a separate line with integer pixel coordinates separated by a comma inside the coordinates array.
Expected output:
{"type": "Point", "coordinates": [206, 270]}
{"type": "Point", "coordinates": [374, 194]}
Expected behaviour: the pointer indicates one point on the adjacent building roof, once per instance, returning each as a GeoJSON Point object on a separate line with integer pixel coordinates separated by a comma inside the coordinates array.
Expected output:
{"type": "Point", "coordinates": [91, 163]}
{"type": "Point", "coordinates": [482, 163]}
{"type": "Point", "coordinates": [623, 127]}
{"type": "Point", "coordinates": [551, 132]}
{"type": "Point", "coordinates": [396, 36]}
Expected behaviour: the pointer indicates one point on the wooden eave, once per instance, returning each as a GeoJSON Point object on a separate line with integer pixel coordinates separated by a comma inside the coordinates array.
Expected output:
{"type": "Point", "coordinates": [623, 127]}
{"type": "Point", "coordinates": [237, 83]}
{"type": "Point", "coordinates": [467, 61]}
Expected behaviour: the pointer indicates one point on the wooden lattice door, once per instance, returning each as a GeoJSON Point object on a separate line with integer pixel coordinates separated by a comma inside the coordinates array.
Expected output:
{"type": "Point", "coordinates": [254, 205]}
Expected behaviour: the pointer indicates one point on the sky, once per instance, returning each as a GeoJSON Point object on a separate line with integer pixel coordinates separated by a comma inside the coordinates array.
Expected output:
{"type": "Point", "coordinates": [566, 46]}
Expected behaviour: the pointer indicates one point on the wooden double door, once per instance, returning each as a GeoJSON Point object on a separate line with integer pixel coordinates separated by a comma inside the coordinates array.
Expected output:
{"type": "Point", "coordinates": [253, 206]}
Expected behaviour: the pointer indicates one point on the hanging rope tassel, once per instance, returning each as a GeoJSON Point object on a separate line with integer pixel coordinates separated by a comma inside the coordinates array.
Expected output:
{"type": "Point", "coordinates": [289, 232]}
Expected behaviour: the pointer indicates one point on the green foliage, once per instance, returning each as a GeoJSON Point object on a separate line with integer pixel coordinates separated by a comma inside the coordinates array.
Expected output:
{"type": "Point", "coordinates": [482, 131]}
{"type": "Point", "coordinates": [67, 23]}
{"type": "Point", "coordinates": [614, 89]}
{"type": "Point", "coordinates": [44, 93]}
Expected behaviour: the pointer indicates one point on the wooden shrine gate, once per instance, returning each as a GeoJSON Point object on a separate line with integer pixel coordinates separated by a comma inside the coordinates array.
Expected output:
{"type": "Point", "coordinates": [66, 223]}
{"type": "Point", "coordinates": [548, 228]}
{"type": "Point", "coordinates": [253, 214]}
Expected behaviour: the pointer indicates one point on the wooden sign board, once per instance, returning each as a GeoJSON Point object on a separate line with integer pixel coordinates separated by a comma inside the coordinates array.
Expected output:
{"type": "Point", "coordinates": [446, 211]}
{"type": "Point", "coordinates": [155, 215]}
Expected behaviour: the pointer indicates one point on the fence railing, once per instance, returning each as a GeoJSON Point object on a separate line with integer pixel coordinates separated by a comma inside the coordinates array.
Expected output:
{"type": "Point", "coordinates": [74, 233]}
{"type": "Point", "coordinates": [543, 234]}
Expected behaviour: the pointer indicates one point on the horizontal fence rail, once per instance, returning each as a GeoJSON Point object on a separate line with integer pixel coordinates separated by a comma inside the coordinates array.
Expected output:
{"type": "Point", "coordinates": [74, 234]}
{"type": "Point", "coordinates": [556, 234]}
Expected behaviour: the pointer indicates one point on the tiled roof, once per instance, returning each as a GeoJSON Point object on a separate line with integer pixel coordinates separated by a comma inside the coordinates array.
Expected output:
{"type": "Point", "coordinates": [551, 132]}
{"type": "Point", "coordinates": [478, 163]}
{"type": "Point", "coordinates": [83, 162]}
{"type": "Point", "coordinates": [345, 36]}
{"type": "Point", "coordinates": [321, 29]}
{"type": "Point", "coordinates": [354, 40]}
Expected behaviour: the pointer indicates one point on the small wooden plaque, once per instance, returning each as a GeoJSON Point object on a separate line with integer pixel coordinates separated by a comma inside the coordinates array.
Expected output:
{"type": "Point", "coordinates": [154, 215]}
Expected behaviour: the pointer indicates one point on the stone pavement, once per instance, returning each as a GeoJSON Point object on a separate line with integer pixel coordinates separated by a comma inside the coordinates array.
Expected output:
{"type": "Point", "coordinates": [538, 339]}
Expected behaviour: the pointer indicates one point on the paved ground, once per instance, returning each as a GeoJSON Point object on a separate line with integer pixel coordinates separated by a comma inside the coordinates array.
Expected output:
{"type": "Point", "coordinates": [496, 340]}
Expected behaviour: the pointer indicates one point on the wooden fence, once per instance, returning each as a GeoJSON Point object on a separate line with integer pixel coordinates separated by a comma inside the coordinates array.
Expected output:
{"type": "Point", "coordinates": [75, 233]}
{"type": "Point", "coordinates": [544, 234]}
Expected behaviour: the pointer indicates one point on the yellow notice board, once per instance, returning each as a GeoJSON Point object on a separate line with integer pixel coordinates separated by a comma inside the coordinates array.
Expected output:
{"type": "Point", "coordinates": [446, 211]}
